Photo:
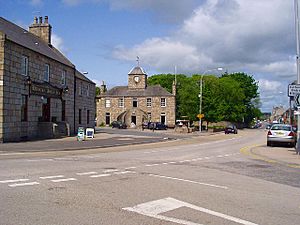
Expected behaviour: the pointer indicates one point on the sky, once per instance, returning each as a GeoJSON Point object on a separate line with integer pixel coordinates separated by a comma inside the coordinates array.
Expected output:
{"type": "Point", "coordinates": [104, 38]}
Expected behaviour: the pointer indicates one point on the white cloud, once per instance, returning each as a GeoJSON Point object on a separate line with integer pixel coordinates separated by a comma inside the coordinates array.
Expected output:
{"type": "Point", "coordinates": [36, 2]}
{"type": "Point", "coordinates": [58, 43]}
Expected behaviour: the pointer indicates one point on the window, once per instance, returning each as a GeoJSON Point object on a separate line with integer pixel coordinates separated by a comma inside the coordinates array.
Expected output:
{"type": "Point", "coordinates": [149, 102]}
{"type": "Point", "coordinates": [134, 102]}
{"type": "Point", "coordinates": [88, 90]}
{"type": "Point", "coordinates": [107, 103]}
{"type": "Point", "coordinates": [46, 72]}
{"type": "Point", "coordinates": [79, 116]}
{"type": "Point", "coordinates": [24, 65]}
{"type": "Point", "coordinates": [80, 89]}
{"type": "Point", "coordinates": [121, 102]}
{"type": "Point", "coordinates": [24, 107]}
{"type": "Point", "coordinates": [63, 77]}
{"type": "Point", "coordinates": [87, 116]}
{"type": "Point", "coordinates": [163, 102]}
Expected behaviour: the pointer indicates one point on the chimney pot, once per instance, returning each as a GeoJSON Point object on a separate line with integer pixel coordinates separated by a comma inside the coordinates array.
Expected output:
{"type": "Point", "coordinates": [46, 19]}
{"type": "Point", "coordinates": [41, 20]}
{"type": "Point", "coordinates": [35, 21]}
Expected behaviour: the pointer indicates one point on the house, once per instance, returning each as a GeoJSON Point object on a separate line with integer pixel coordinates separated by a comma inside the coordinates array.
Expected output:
{"type": "Point", "coordinates": [136, 103]}
{"type": "Point", "coordinates": [42, 95]}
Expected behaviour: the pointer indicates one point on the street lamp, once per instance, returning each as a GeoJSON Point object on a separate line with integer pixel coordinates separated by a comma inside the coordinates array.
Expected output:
{"type": "Point", "coordinates": [200, 95]}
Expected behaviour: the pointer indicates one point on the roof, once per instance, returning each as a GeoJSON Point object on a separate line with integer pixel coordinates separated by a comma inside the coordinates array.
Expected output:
{"type": "Point", "coordinates": [137, 71]}
{"type": "Point", "coordinates": [124, 91]}
{"type": "Point", "coordinates": [26, 39]}
{"type": "Point", "coordinates": [82, 77]}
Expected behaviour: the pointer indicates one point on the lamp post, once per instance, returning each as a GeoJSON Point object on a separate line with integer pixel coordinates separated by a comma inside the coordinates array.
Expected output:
{"type": "Point", "coordinates": [200, 95]}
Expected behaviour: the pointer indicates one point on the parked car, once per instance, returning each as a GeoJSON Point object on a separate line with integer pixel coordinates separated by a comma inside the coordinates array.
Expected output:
{"type": "Point", "coordinates": [155, 126]}
{"type": "Point", "coordinates": [231, 129]}
{"type": "Point", "coordinates": [118, 124]}
{"type": "Point", "coordinates": [281, 134]}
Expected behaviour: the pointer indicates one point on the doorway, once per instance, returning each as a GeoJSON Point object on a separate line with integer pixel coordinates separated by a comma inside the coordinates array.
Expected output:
{"type": "Point", "coordinates": [46, 110]}
{"type": "Point", "coordinates": [133, 119]}
{"type": "Point", "coordinates": [163, 118]}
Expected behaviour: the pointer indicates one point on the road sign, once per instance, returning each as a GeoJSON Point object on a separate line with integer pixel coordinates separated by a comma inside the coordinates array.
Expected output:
{"type": "Point", "coordinates": [293, 90]}
{"type": "Point", "coordinates": [200, 116]}
{"type": "Point", "coordinates": [297, 100]}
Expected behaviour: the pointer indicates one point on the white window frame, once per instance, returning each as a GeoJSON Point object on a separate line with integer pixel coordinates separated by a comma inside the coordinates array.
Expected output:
{"type": "Point", "coordinates": [163, 102]}
{"type": "Point", "coordinates": [88, 90]}
{"type": "Point", "coordinates": [24, 65]}
{"type": "Point", "coordinates": [107, 103]}
{"type": "Point", "coordinates": [149, 103]}
{"type": "Point", "coordinates": [134, 99]}
{"type": "Point", "coordinates": [46, 72]}
{"type": "Point", "coordinates": [121, 102]}
{"type": "Point", "coordinates": [63, 77]}
{"type": "Point", "coordinates": [80, 89]}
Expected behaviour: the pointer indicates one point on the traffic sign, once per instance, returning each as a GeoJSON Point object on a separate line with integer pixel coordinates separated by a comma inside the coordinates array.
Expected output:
{"type": "Point", "coordinates": [200, 116]}
{"type": "Point", "coordinates": [297, 100]}
{"type": "Point", "coordinates": [293, 90]}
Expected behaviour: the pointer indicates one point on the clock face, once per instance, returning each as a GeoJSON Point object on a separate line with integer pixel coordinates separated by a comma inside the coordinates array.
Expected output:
{"type": "Point", "coordinates": [136, 79]}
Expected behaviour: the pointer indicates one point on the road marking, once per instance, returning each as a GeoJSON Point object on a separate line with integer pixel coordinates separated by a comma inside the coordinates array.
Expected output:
{"type": "Point", "coordinates": [86, 173]}
{"type": "Point", "coordinates": [101, 175]}
{"type": "Point", "coordinates": [154, 208]}
{"type": "Point", "coordinates": [23, 184]}
{"type": "Point", "coordinates": [189, 181]}
{"type": "Point", "coordinates": [156, 164]}
{"type": "Point", "coordinates": [63, 180]}
{"type": "Point", "coordinates": [110, 170]}
{"type": "Point", "coordinates": [124, 172]}
{"type": "Point", "coordinates": [51, 177]}
{"type": "Point", "coordinates": [38, 160]}
{"type": "Point", "coordinates": [128, 168]}
{"type": "Point", "coordinates": [16, 153]}
{"type": "Point", "coordinates": [12, 181]}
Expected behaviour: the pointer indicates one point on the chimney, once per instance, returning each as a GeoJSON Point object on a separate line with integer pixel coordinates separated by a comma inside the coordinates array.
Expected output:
{"type": "Point", "coordinates": [102, 88]}
{"type": "Point", "coordinates": [40, 29]}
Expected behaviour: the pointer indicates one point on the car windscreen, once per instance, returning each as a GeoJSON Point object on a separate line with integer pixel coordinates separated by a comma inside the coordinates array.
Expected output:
{"type": "Point", "coordinates": [281, 127]}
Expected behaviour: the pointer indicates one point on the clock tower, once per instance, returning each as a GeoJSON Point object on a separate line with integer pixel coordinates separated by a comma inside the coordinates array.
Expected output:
{"type": "Point", "coordinates": [137, 78]}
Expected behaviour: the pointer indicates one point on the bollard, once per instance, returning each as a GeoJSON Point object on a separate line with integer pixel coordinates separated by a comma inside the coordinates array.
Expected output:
{"type": "Point", "coordinates": [297, 147]}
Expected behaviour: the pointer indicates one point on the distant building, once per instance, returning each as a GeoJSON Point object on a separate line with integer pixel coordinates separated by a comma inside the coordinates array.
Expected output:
{"type": "Point", "coordinates": [136, 103]}
{"type": "Point", "coordinates": [41, 92]}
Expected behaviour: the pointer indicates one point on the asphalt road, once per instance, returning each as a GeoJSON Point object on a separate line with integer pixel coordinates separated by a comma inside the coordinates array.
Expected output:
{"type": "Point", "coordinates": [207, 180]}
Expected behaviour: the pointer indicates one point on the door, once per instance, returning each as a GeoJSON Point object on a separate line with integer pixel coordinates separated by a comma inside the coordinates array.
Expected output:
{"type": "Point", "coordinates": [46, 110]}
{"type": "Point", "coordinates": [107, 118]}
{"type": "Point", "coordinates": [133, 119]}
{"type": "Point", "coordinates": [163, 119]}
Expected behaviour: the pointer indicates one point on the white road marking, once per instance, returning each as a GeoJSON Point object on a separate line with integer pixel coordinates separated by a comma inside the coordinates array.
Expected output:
{"type": "Point", "coordinates": [101, 175]}
{"type": "Point", "coordinates": [124, 172]}
{"type": "Point", "coordinates": [38, 160]}
{"type": "Point", "coordinates": [63, 180]}
{"type": "Point", "coordinates": [23, 184]}
{"type": "Point", "coordinates": [152, 164]}
{"type": "Point", "coordinates": [86, 173]}
{"type": "Point", "coordinates": [154, 208]}
{"type": "Point", "coordinates": [189, 181]}
{"type": "Point", "coordinates": [110, 170]}
{"type": "Point", "coordinates": [128, 168]}
{"type": "Point", "coordinates": [16, 153]}
{"type": "Point", "coordinates": [51, 177]}
{"type": "Point", "coordinates": [12, 181]}
{"type": "Point", "coordinates": [172, 162]}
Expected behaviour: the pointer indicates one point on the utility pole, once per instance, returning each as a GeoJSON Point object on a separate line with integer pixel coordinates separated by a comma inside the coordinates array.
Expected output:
{"type": "Point", "coordinates": [297, 58]}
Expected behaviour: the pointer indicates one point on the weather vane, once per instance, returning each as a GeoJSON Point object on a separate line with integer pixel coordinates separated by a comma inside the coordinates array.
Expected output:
{"type": "Point", "coordinates": [138, 60]}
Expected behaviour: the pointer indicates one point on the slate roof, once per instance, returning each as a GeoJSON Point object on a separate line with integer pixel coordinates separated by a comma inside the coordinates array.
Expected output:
{"type": "Point", "coordinates": [150, 91]}
{"type": "Point", "coordinates": [26, 39]}
{"type": "Point", "coordinates": [137, 71]}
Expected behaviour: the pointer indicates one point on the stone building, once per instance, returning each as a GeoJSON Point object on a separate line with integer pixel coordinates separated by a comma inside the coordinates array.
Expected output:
{"type": "Point", "coordinates": [41, 92]}
{"type": "Point", "coordinates": [136, 103]}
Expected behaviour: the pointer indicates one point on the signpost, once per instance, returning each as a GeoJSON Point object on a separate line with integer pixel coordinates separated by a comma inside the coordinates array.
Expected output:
{"type": "Point", "coordinates": [89, 133]}
{"type": "Point", "coordinates": [297, 100]}
{"type": "Point", "coordinates": [200, 116]}
{"type": "Point", "coordinates": [293, 90]}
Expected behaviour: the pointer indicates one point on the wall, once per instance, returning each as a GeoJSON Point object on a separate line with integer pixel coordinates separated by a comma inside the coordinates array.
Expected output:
{"type": "Point", "coordinates": [2, 43]}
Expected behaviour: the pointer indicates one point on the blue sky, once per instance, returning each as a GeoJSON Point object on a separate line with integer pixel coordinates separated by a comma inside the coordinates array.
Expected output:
{"type": "Point", "coordinates": [103, 37]}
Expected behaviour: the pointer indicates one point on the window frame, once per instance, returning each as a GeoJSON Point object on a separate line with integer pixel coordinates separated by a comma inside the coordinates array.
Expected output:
{"type": "Point", "coordinates": [163, 103]}
{"type": "Point", "coordinates": [107, 103]}
{"type": "Point", "coordinates": [63, 77]}
{"type": "Point", "coordinates": [149, 103]}
{"type": "Point", "coordinates": [46, 77]}
{"type": "Point", "coordinates": [24, 65]}
{"type": "Point", "coordinates": [121, 102]}
{"type": "Point", "coordinates": [135, 102]}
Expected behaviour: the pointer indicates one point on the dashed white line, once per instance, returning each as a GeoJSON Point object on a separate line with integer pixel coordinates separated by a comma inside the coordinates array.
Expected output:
{"type": "Point", "coordinates": [149, 165]}
{"type": "Point", "coordinates": [24, 184]}
{"type": "Point", "coordinates": [189, 181]}
{"type": "Point", "coordinates": [110, 170]}
{"type": "Point", "coordinates": [51, 177]}
{"type": "Point", "coordinates": [101, 175]}
{"type": "Point", "coordinates": [124, 172]}
{"type": "Point", "coordinates": [12, 181]}
{"type": "Point", "coordinates": [63, 180]}
{"type": "Point", "coordinates": [128, 168]}
{"type": "Point", "coordinates": [86, 173]}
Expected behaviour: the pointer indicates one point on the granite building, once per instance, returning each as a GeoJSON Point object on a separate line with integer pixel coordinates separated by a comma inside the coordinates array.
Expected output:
{"type": "Point", "coordinates": [41, 92]}
{"type": "Point", "coordinates": [136, 103]}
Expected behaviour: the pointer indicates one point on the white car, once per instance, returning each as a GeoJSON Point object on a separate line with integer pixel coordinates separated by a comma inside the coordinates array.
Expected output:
{"type": "Point", "coordinates": [281, 134]}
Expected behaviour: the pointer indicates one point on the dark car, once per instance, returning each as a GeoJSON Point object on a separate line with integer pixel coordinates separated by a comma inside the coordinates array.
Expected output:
{"type": "Point", "coordinates": [155, 126]}
{"type": "Point", "coordinates": [231, 129]}
{"type": "Point", "coordinates": [118, 124]}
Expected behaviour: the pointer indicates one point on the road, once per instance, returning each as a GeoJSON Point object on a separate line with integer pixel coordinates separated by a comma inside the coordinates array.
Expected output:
{"type": "Point", "coordinates": [209, 180]}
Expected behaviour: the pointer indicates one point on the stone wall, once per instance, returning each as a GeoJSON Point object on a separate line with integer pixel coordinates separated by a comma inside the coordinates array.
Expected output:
{"type": "Point", "coordinates": [15, 86]}
{"type": "Point", "coordinates": [2, 42]}
{"type": "Point", "coordinates": [156, 110]}
{"type": "Point", "coordinates": [86, 102]}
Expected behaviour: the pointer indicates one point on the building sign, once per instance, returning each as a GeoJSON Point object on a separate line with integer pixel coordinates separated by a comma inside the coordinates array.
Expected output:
{"type": "Point", "coordinates": [45, 90]}
{"type": "Point", "coordinates": [293, 90]}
